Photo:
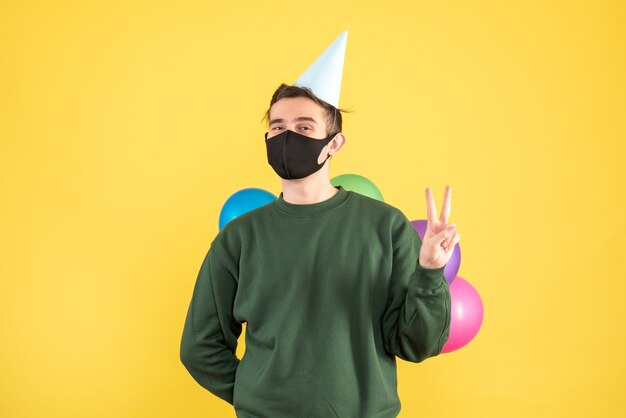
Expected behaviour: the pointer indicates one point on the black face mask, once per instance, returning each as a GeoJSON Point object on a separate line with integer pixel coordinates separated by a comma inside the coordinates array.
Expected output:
{"type": "Point", "coordinates": [294, 156]}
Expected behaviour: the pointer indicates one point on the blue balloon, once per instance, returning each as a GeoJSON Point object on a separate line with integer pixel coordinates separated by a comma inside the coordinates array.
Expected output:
{"type": "Point", "coordinates": [244, 201]}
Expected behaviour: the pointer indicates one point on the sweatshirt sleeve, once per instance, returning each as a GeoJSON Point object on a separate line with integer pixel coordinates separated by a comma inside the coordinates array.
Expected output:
{"type": "Point", "coordinates": [210, 333]}
{"type": "Point", "coordinates": [416, 322]}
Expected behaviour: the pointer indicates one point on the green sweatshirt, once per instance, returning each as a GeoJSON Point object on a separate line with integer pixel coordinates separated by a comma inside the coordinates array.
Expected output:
{"type": "Point", "coordinates": [331, 293]}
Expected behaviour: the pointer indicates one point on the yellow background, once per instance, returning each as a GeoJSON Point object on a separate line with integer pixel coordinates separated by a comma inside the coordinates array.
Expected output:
{"type": "Point", "coordinates": [125, 125]}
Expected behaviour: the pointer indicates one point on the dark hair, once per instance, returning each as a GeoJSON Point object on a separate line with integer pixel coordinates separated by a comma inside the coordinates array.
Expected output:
{"type": "Point", "coordinates": [333, 115]}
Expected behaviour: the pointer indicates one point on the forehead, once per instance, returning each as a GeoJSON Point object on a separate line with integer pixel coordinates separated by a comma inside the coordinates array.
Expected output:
{"type": "Point", "coordinates": [295, 107]}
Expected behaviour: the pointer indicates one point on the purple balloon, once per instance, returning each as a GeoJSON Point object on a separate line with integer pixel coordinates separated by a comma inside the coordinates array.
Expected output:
{"type": "Point", "coordinates": [454, 263]}
{"type": "Point", "coordinates": [466, 314]}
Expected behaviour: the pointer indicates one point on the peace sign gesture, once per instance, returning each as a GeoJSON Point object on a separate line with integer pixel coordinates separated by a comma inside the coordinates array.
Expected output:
{"type": "Point", "coordinates": [440, 237]}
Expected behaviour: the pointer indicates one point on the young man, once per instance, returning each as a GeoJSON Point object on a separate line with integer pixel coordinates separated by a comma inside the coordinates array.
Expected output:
{"type": "Point", "coordinates": [333, 286]}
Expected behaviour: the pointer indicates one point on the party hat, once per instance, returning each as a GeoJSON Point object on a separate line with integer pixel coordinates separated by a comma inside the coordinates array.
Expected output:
{"type": "Point", "coordinates": [323, 77]}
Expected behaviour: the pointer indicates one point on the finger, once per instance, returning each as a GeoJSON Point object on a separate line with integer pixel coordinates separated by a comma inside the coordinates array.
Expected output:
{"type": "Point", "coordinates": [452, 241]}
{"type": "Point", "coordinates": [446, 233]}
{"type": "Point", "coordinates": [431, 210]}
{"type": "Point", "coordinates": [450, 229]}
{"type": "Point", "coordinates": [445, 209]}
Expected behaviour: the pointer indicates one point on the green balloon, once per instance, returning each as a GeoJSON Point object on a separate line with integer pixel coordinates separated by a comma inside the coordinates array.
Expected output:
{"type": "Point", "coordinates": [358, 184]}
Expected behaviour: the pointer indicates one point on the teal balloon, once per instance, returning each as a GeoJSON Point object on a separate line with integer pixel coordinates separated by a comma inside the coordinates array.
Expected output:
{"type": "Point", "coordinates": [244, 201]}
{"type": "Point", "coordinates": [358, 184]}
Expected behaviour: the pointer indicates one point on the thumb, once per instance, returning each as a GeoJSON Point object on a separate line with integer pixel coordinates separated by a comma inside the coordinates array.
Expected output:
{"type": "Point", "coordinates": [446, 233]}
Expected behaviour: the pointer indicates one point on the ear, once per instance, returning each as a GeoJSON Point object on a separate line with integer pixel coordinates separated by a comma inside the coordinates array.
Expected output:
{"type": "Point", "coordinates": [331, 148]}
{"type": "Point", "coordinates": [335, 145]}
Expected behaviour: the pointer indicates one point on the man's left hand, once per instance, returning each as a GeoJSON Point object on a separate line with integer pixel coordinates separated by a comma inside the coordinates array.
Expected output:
{"type": "Point", "coordinates": [440, 237]}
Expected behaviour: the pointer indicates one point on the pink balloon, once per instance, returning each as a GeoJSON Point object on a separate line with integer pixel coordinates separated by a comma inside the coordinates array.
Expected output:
{"type": "Point", "coordinates": [466, 316]}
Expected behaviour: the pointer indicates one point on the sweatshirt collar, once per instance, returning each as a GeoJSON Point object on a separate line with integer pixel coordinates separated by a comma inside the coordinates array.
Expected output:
{"type": "Point", "coordinates": [312, 208]}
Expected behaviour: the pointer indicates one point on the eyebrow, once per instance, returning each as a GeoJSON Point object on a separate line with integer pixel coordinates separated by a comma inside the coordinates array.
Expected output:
{"type": "Point", "coordinates": [298, 119]}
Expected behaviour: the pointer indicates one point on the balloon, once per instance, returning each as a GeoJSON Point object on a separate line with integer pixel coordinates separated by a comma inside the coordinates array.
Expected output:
{"type": "Point", "coordinates": [244, 201]}
{"type": "Point", "coordinates": [452, 267]}
{"type": "Point", "coordinates": [467, 314]}
{"type": "Point", "coordinates": [358, 184]}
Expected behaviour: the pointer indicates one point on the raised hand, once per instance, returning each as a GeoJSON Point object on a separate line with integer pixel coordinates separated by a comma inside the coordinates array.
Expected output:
{"type": "Point", "coordinates": [440, 237]}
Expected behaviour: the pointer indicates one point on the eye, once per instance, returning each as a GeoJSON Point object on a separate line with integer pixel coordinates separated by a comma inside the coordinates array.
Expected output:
{"type": "Point", "coordinates": [308, 128]}
{"type": "Point", "coordinates": [276, 128]}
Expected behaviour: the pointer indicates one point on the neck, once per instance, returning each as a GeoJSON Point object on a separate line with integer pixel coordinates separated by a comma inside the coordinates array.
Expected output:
{"type": "Point", "coordinates": [312, 189]}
